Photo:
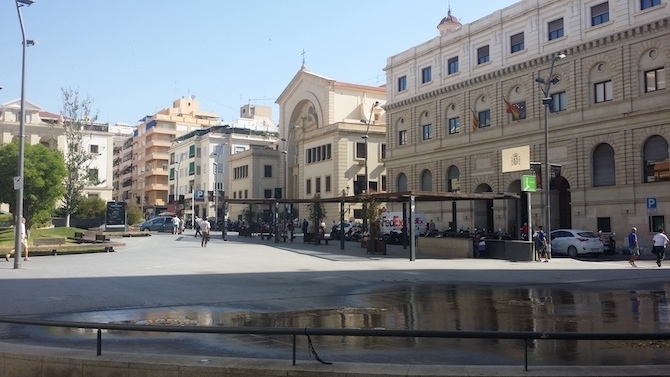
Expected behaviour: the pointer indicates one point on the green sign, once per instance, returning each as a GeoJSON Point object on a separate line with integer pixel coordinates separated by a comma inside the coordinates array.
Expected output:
{"type": "Point", "coordinates": [529, 183]}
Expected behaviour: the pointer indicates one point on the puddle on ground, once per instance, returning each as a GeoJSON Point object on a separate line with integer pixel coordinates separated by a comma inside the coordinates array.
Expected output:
{"type": "Point", "coordinates": [419, 307]}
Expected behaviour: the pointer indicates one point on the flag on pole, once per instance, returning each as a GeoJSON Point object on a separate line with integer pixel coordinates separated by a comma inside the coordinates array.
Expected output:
{"type": "Point", "coordinates": [475, 120]}
{"type": "Point", "coordinates": [512, 109]}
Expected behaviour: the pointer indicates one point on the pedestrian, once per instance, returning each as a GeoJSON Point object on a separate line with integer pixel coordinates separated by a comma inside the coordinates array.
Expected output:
{"type": "Point", "coordinates": [24, 241]}
{"type": "Point", "coordinates": [541, 244]}
{"type": "Point", "coordinates": [660, 241]}
{"type": "Point", "coordinates": [305, 226]}
{"type": "Point", "coordinates": [481, 247]}
{"type": "Point", "coordinates": [205, 227]}
{"type": "Point", "coordinates": [290, 231]}
{"type": "Point", "coordinates": [198, 222]}
{"type": "Point", "coordinates": [634, 246]}
{"type": "Point", "coordinates": [175, 224]}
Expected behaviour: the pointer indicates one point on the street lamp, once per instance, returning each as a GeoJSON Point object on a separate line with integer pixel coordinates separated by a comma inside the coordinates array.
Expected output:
{"type": "Point", "coordinates": [18, 180]}
{"type": "Point", "coordinates": [366, 137]}
{"type": "Point", "coordinates": [218, 166]}
{"type": "Point", "coordinates": [545, 86]}
{"type": "Point", "coordinates": [287, 142]}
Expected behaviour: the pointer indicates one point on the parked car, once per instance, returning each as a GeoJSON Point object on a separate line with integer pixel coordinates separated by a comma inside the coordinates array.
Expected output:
{"type": "Point", "coordinates": [575, 242]}
{"type": "Point", "coordinates": [157, 224]}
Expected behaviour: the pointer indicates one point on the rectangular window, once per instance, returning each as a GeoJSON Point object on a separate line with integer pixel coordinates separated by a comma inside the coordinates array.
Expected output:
{"type": "Point", "coordinates": [191, 151]}
{"type": "Point", "coordinates": [308, 187]}
{"type": "Point", "coordinates": [93, 149]}
{"type": "Point", "coordinates": [328, 188]}
{"type": "Point", "coordinates": [426, 75]}
{"type": "Point", "coordinates": [383, 183]}
{"type": "Point", "coordinates": [644, 4]}
{"type": "Point", "coordinates": [171, 174]}
{"type": "Point", "coordinates": [317, 185]}
{"type": "Point", "coordinates": [402, 83]}
{"type": "Point", "coordinates": [604, 224]}
{"type": "Point", "coordinates": [454, 125]}
{"type": "Point", "coordinates": [517, 42]}
{"type": "Point", "coordinates": [654, 80]}
{"type": "Point", "coordinates": [191, 168]}
{"type": "Point", "coordinates": [93, 175]}
{"type": "Point", "coordinates": [600, 14]}
{"type": "Point", "coordinates": [483, 54]}
{"type": "Point", "coordinates": [267, 194]}
{"type": "Point", "coordinates": [402, 137]}
{"type": "Point", "coordinates": [361, 151]}
{"type": "Point", "coordinates": [555, 29]}
{"type": "Point", "coordinates": [484, 118]}
{"type": "Point", "coordinates": [452, 65]}
{"type": "Point", "coordinates": [603, 91]}
{"type": "Point", "coordinates": [246, 194]}
{"type": "Point", "coordinates": [520, 110]}
{"type": "Point", "coordinates": [427, 131]}
{"type": "Point", "coordinates": [559, 102]}
{"type": "Point", "coordinates": [383, 151]}
{"type": "Point", "coordinates": [656, 223]}
{"type": "Point", "coordinates": [267, 171]}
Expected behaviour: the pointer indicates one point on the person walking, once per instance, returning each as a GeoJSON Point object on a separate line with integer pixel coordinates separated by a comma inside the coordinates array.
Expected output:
{"type": "Point", "coordinates": [24, 242]}
{"type": "Point", "coordinates": [198, 222]}
{"type": "Point", "coordinates": [175, 224]}
{"type": "Point", "coordinates": [634, 246]}
{"type": "Point", "coordinates": [541, 244]}
{"type": "Point", "coordinates": [205, 228]}
{"type": "Point", "coordinates": [305, 226]}
{"type": "Point", "coordinates": [660, 241]}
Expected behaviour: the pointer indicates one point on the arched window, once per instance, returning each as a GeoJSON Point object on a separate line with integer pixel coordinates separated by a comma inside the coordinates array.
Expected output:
{"type": "Point", "coordinates": [402, 182]}
{"type": "Point", "coordinates": [603, 171]}
{"type": "Point", "coordinates": [426, 181]}
{"type": "Point", "coordinates": [655, 159]}
{"type": "Point", "coordinates": [453, 179]}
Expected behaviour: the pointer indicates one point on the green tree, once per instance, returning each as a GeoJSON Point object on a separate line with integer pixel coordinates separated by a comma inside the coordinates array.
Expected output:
{"type": "Point", "coordinates": [90, 208]}
{"type": "Point", "coordinates": [316, 211]}
{"type": "Point", "coordinates": [44, 171]}
{"type": "Point", "coordinates": [134, 214]}
{"type": "Point", "coordinates": [76, 116]}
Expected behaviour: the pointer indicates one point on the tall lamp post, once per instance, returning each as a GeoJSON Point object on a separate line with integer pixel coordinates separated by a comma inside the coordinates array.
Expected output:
{"type": "Point", "coordinates": [18, 180]}
{"type": "Point", "coordinates": [366, 137]}
{"type": "Point", "coordinates": [218, 166]}
{"type": "Point", "coordinates": [545, 86]}
{"type": "Point", "coordinates": [287, 142]}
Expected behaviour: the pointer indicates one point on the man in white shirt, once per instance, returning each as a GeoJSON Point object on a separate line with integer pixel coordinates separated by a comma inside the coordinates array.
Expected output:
{"type": "Point", "coordinates": [660, 240]}
{"type": "Point", "coordinates": [205, 227]}
{"type": "Point", "coordinates": [24, 241]}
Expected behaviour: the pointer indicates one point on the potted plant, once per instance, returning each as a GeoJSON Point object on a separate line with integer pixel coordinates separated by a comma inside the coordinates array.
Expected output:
{"type": "Point", "coordinates": [372, 211]}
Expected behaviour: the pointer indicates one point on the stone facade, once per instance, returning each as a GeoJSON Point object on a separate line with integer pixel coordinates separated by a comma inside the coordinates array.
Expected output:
{"type": "Point", "coordinates": [608, 128]}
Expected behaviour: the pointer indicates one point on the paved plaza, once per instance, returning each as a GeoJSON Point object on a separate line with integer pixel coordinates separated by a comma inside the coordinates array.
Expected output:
{"type": "Point", "coordinates": [164, 271]}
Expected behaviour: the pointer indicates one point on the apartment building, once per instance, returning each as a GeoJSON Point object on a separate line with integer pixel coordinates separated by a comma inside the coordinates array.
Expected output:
{"type": "Point", "coordinates": [199, 165]}
{"type": "Point", "coordinates": [255, 173]}
{"type": "Point", "coordinates": [145, 183]}
{"type": "Point", "coordinates": [332, 134]}
{"type": "Point", "coordinates": [459, 99]}
{"type": "Point", "coordinates": [42, 127]}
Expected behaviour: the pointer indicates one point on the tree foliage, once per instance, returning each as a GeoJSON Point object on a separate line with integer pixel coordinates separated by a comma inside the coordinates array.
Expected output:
{"type": "Point", "coordinates": [90, 208]}
{"type": "Point", "coordinates": [76, 114]}
{"type": "Point", "coordinates": [44, 171]}
{"type": "Point", "coordinates": [134, 214]}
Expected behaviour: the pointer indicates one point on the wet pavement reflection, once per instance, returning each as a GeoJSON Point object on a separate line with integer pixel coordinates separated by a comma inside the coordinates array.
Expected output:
{"type": "Point", "coordinates": [419, 307]}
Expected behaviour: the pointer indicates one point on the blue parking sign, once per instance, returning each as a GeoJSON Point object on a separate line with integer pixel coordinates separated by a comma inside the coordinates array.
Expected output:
{"type": "Point", "coordinates": [651, 203]}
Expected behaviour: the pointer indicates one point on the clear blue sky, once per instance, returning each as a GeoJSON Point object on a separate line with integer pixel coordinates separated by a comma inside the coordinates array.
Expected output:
{"type": "Point", "coordinates": [134, 57]}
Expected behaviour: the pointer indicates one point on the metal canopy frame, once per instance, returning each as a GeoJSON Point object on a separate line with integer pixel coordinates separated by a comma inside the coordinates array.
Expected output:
{"type": "Point", "coordinates": [405, 197]}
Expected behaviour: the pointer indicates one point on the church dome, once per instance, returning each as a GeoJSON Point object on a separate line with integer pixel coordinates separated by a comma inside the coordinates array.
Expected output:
{"type": "Point", "coordinates": [448, 24]}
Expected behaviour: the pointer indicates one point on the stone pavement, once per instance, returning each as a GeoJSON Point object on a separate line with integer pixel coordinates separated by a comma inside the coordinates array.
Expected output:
{"type": "Point", "coordinates": [166, 270]}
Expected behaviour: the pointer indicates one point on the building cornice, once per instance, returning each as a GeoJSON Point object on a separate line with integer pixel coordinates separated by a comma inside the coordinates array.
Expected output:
{"type": "Point", "coordinates": [574, 51]}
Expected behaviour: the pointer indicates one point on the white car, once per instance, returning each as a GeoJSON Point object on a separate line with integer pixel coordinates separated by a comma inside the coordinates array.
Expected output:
{"type": "Point", "coordinates": [575, 242]}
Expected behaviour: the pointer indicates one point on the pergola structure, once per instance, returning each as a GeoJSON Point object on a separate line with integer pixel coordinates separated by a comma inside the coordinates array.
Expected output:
{"type": "Point", "coordinates": [407, 198]}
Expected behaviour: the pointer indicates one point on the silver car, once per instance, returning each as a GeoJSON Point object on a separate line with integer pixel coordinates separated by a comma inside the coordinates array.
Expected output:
{"type": "Point", "coordinates": [575, 242]}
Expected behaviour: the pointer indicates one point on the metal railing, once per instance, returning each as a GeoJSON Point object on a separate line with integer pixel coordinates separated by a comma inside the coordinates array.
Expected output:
{"type": "Point", "coordinates": [526, 336]}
